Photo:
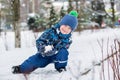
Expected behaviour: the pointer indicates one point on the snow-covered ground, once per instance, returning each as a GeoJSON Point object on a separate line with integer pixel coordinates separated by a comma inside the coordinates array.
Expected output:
{"type": "Point", "coordinates": [85, 49]}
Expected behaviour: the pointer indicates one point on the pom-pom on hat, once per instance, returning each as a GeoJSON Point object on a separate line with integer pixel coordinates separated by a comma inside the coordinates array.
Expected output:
{"type": "Point", "coordinates": [70, 20]}
{"type": "Point", "coordinates": [74, 13]}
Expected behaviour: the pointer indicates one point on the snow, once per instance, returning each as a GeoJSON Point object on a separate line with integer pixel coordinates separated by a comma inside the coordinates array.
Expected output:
{"type": "Point", "coordinates": [85, 49]}
{"type": "Point", "coordinates": [48, 48]}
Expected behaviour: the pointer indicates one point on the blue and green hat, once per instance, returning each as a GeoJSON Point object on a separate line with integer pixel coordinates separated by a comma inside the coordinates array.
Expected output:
{"type": "Point", "coordinates": [70, 20]}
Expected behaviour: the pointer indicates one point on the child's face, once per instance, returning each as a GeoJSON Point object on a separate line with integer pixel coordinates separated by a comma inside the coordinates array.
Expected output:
{"type": "Point", "coordinates": [65, 29]}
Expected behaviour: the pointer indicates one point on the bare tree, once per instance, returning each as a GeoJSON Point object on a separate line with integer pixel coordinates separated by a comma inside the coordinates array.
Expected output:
{"type": "Point", "coordinates": [113, 10]}
{"type": "Point", "coordinates": [70, 6]}
{"type": "Point", "coordinates": [110, 65]}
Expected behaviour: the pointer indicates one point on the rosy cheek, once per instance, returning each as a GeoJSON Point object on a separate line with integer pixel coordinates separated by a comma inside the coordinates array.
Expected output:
{"type": "Point", "coordinates": [69, 30]}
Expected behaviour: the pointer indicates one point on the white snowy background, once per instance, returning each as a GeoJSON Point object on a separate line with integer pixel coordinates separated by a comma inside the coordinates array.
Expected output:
{"type": "Point", "coordinates": [84, 50]}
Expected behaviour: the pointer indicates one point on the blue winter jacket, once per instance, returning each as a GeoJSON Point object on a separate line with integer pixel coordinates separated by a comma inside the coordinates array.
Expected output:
{"type": "Point", "coordinates": [54, 37]}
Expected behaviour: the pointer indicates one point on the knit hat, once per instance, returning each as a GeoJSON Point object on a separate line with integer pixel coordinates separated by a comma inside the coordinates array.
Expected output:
{"type": "Point", "coordinates": [70, 20]}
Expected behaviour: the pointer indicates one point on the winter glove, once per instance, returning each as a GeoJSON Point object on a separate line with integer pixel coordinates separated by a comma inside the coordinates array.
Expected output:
{"type": "Point", "coordinates": [61, 69]}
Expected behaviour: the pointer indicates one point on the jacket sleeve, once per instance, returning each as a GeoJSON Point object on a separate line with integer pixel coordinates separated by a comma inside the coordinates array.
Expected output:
{"type": "Point", "coordinates": [43, 39]}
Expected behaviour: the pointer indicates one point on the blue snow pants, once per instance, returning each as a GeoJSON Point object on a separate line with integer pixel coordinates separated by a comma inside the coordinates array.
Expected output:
{"type": "Point", "coordinates": [38, 61]}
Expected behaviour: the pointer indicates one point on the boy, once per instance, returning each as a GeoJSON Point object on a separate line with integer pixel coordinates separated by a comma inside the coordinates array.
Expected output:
{"type": "Point", "coordinates": [52, 46]}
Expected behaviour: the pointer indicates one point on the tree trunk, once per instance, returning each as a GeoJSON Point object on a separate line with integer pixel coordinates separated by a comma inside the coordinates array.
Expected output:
{"type": "Point", "coordinates": [17, 34]}
{"type": "Point", "coordinates": [113, 10]}
{"type": "Point", "coordinates": [16, 16]}
{"type": "Point", "coordinates": [70, 6]}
